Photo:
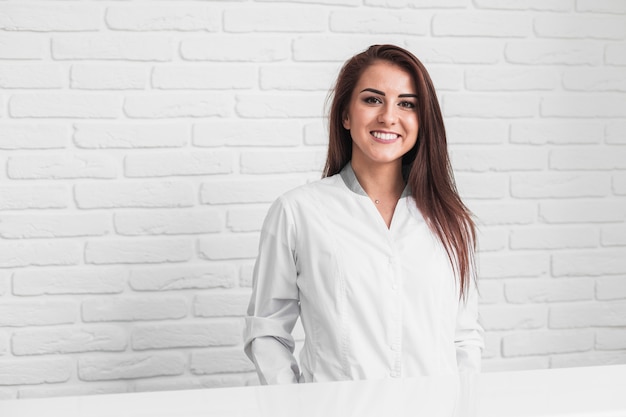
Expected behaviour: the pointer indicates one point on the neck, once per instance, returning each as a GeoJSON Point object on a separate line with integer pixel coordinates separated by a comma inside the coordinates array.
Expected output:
{"type": "Point", "coordinates": [380, 181]}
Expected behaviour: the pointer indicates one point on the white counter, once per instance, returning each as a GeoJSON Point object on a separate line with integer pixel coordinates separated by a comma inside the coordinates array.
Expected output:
{"type": "Point", "coordinates": [580, 392]}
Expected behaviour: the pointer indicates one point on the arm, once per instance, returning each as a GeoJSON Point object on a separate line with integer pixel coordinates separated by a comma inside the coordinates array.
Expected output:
{"type": "Point", "coordinates": [274, 304]}
{"type": "Point", "coordinates": [468, 338]}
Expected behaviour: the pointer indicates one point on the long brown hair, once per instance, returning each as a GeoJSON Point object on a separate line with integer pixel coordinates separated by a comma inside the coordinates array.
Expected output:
{"type": "Point", "coordinates": [430, 176]}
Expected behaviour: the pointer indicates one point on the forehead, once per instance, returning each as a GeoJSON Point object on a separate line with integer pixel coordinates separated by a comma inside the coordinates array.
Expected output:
{"type": "Point", "coordinates": [386, 77]}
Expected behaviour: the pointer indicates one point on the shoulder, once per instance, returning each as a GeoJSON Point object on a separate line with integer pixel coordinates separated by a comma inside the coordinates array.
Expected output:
{"type": "Point", "coordinates": [312, 191]}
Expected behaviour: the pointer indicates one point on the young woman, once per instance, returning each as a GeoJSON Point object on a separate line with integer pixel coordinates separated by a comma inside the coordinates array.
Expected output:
{"type": "Point", "coordinates": [377, 258]}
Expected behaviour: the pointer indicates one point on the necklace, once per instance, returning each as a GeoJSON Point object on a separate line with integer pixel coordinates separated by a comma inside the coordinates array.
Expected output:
{"type": "Point", "coordinates": [377, 201]}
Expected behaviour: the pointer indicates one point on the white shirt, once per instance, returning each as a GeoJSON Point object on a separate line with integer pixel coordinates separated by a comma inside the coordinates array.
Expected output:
{"type": "Point", "coordinates": [375, 302]}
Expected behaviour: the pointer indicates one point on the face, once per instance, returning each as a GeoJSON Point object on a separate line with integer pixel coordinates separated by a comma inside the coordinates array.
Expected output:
{"type": "Point", "coordinates": [382, 115]}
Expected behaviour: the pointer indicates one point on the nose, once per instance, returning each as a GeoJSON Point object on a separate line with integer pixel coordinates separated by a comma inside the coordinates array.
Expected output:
{"type": "Point", "coordinates": [387, 115]}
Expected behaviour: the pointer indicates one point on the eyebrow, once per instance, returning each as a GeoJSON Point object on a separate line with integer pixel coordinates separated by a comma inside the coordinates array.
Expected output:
{"type": "Point", "coordinates": [372, 90]}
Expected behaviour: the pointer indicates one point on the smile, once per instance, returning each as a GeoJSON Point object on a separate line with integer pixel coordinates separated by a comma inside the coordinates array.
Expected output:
{"type": "Point", "coordinates": [384, 136]}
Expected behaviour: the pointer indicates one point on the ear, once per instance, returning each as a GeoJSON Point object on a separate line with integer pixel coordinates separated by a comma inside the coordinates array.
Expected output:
{"type": "Point", "coordinates": [346, 122]}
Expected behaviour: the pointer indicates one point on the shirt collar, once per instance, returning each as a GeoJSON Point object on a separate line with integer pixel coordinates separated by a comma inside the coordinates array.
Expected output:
{"type": "Point", "coordinates": [349, 178]}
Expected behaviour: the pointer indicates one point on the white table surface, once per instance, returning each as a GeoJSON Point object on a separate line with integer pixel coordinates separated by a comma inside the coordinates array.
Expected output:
{"type": "Point", "coordinates": [581, 392]}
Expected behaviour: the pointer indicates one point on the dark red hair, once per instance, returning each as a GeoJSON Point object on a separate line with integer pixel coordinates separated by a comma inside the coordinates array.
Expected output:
{"type": "Point", "coordinates": [430, 177]}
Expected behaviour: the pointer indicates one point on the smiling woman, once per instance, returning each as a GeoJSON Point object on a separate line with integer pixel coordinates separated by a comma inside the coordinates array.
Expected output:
{"type": "Point", "coordinates": [377, 257]}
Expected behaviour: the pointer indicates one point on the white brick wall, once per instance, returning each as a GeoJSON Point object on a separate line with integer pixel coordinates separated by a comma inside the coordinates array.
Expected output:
{"type": "Point", "coordinates": [142, 143]}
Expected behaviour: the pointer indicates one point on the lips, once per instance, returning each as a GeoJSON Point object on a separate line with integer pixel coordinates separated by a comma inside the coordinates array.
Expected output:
{"type": "Point", "coordinates": [384, 136]}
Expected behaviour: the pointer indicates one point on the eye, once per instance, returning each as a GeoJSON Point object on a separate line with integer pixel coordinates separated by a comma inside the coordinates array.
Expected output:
{"type": "Point", "coordinates": [372, 100]}
{"type": "Point", "coordinates": [407, 104]}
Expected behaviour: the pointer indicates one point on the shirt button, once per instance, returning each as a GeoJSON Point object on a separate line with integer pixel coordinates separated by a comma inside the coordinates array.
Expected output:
{"type": "Point", "coordinates": [394, 374]}
{"type": "Point", "coordinates": [395, 347]}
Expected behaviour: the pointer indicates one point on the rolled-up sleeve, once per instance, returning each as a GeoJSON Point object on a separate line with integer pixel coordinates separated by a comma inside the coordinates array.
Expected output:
{"type": "Point", "coordinates": [274, 305]}
{"type": "Point", "coordinates": [469, 333]}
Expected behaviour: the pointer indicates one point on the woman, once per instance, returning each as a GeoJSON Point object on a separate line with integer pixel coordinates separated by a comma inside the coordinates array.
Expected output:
{"type": "Point", "coordinates": [377, 257]}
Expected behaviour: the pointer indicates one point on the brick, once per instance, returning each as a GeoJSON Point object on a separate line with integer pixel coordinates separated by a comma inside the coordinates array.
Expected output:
{"type": "Point", "coordinates": [581, 211]}
{"type": "Point", "coordinates": [336, 48]}
{"type": "Point", "coordinates": [615, 132]}
{"type": "Point", "coordinates": [134, 194]}
{"type": "Point", "coordinates": [246, 219]}
{"type": "Point", "coordinates": [594, 80]}
{"type": "Point", "coordinates": [514, 265]}
{"type": "Point", "coordinates": [554, 237]}
{"type": "Point", "coordinates": [549, 52]}
{"type": "Point", "coordinates": [611, 288]}
{"type": "Point", "coordinates": [491, 292]}
{"type": "Point", "coordinates": [512, 317]}
{"type": "Point", "coordinates": [157, 48]}
{"type": "Point", "coordinates": [221, 304]}
{"type": "Point", "coordinates": [589, 263]}
{"type": "Point", "coordinates": [236, 48]}
{"type": "Point", "coordinates": [167, 222]}
{"type": "Point", "coordinates": [549, 290]}
{"type": "Point", "coordinates": [69, 281]}
{"type": "Point", "coordinates": [188, 276]}
{"type": "Point", "coordinates": [37, 313]}
{"type": "Point", "coordinates": [615, 54]}
{"type": "Point", "coordinates": [588, 159]}
{"type": "Point", "coordinates": [272, 162]}
{"type": "Point", "coordinates": [133, 308]}
{"type": "Point", "coordinates": [4, 282]}
{"type": "Point", "coordinates": [232, 246]}
{"type": "Point", "coordinates": [130, 366]}
{"type": "Point", "coordinates": [456, 50]}
{"type": "Point", "coordinates": [18, 197]}
{"type": "Point", "coordinates": [559, 185]}
{"type": "Point", "coordinates": [588, 359]}
{"type": "Point", "coordinates": [69, 340]}
{"type": "Point", "coordinates": [126, 135]}
{"type": "Point", "coordinates": [435, 4]}
{"type": "Point", "coordinates": [219, 360]}
{"type": "Point", "coordinates": [169, 105]}
{"type": "Point", "coordinates": [445, 78]}
{"type": "Point", "coordinates": [69, 390]}
{"type": "Point", "coordinates": [4, 343]}
{"type": "Point", "coordinates": [555, 133]}
{"type": "Point", "coordinates": [489, 105]}
{"type": "Point", "coordinates": [186, 335]}
{"type": "Point", "coordinates": [245, 275]}
{"type": "Point", "coordinates": [404, 22]}
{"type": "Point", "coordinates": [613, 235]}
{"type": "Point", "coordinates": [250, 190]}
{"type": "Point", "coordinates": [83, 106]}
{"type": "Point", "coordinates": [196, 77]}
{"type": "Point", "coordinates": [305, 77]}
{"type": "Point", "coordinates": [108, 77]}
{"type": "Point", "coordinates": [179, 163]}
{"type": "Point", "coordinates": [579, 26]}
{"type": "Point", "coordinates": [610, 339]}
{"type": "Point", "coordinates": [40, 253]}
{"type": "Point", "coordinates": [578, 106]}
{"type": "Point", "coordinates": [516, 364]}
{"type": "Point", "coordinates": [137, 251]}
{"type": "Point", "coordinates": [275, 19]}
{"type": "Point", "coordinates": [491, 240]}
{"type": "Point", "coordinates": [279, 105]}
{"type": "Point", "coordinates": [31, 76]}
{"type": "Point", "coordinates": [33, 136]}
{"type": "Point", "coordinates": [515, 79]}
{"type": "Point", "coordinates": [490, 24]}
{"type": "Point", "coordinates": [158, 17]}
{"type": "Point", "coordinates": [330, 2]}
{"type": "Point", "coordinates": [619, 184]}
{"type": "Point", "coordinates": [62, 166]}
{"type": "Point", "coordinates": [543, 5]}
{"type": "Point", "coordinates": [35, 371]}
{"type": "Point", "coordinates": [315, 134]}
{"type": "Point", "coordinates": [476, 186]}
{"type": "Point", "coordinates": [601, 6]}
{"type": "Point", "coordinates": [465, 132]}
{"type": "Point", "coordinates": [49, 17]}
{"type": "Point", "coordinates": [18, 226]}
{"type": "Point", "coordinates": [588, 314]}
{"type": "Point", "coordinates": [23, 46]}
{"type": "Point", "coordinates": [482, 159]}
{"type": "Point", "coordinates": [247, 133]}
{"type": "Point", "coordinates": [547, 342]}
{"type": "Point", "coordinates": [504, 212]}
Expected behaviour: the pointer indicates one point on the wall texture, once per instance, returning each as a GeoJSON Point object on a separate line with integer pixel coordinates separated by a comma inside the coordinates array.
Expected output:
{"type": "Point", "coordinates": [142, 142]}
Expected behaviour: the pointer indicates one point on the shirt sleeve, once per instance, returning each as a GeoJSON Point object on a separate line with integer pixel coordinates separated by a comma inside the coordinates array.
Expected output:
{"type": "Point", "coordinates": [469, 333]}
{"type": "Point", "coordinates": [274, 305]}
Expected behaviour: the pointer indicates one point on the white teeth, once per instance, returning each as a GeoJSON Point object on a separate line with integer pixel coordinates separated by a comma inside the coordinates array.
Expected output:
{"type": "Point", "coordinates": [384, 136]}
